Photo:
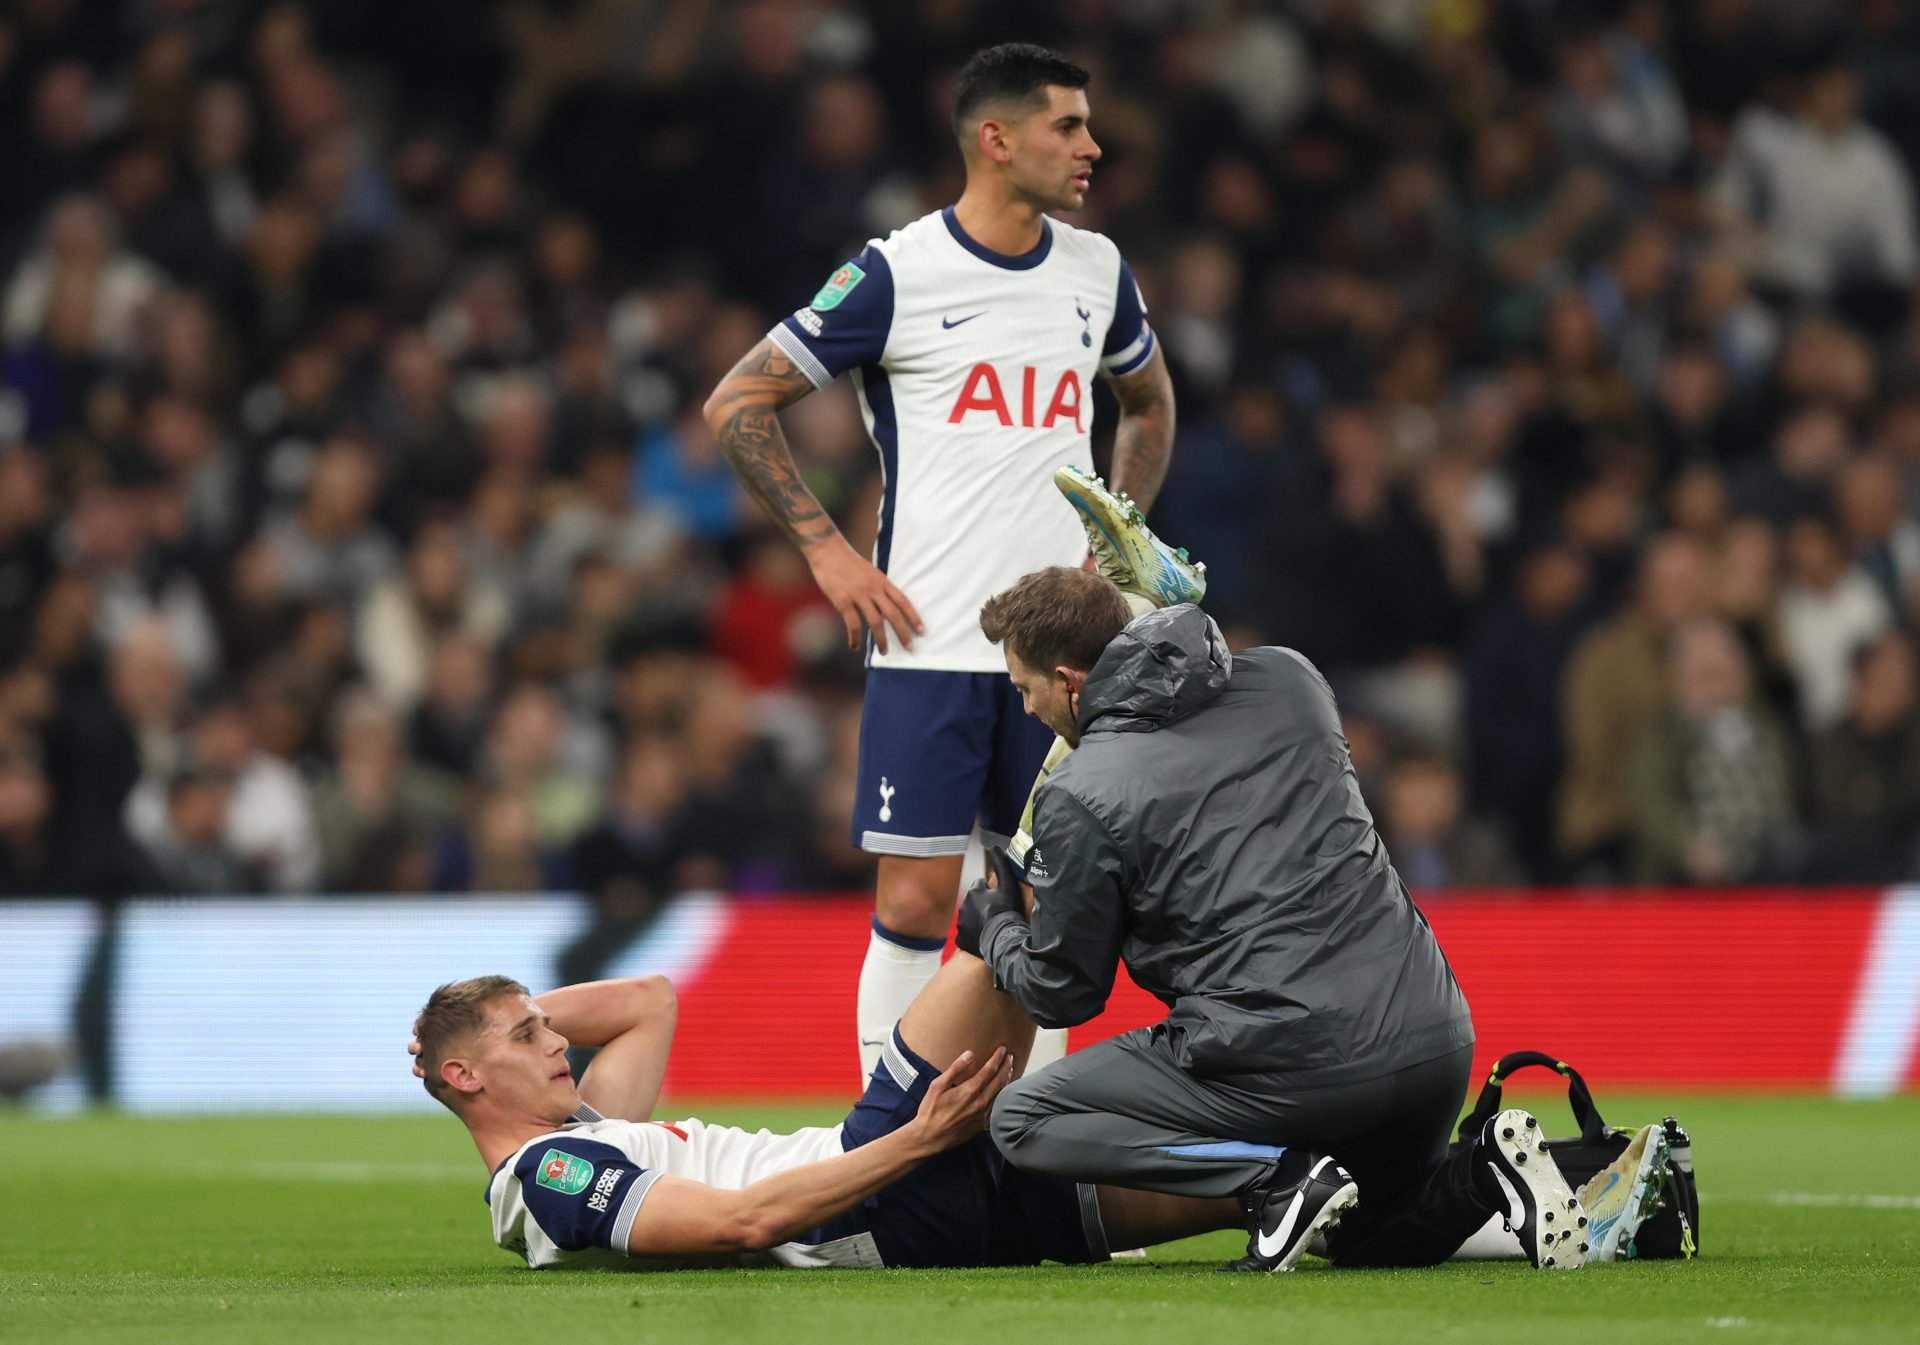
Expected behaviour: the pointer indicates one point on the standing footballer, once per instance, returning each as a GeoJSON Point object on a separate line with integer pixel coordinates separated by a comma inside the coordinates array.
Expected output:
{"type": "Point", "coordinates": [972, 337]}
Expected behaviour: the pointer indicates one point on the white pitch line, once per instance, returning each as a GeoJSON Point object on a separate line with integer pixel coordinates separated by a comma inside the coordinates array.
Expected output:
{"type": "Point", "coordinates": [1814, 1200]}
{"type": "Point", "coordinates": [302, 1170]}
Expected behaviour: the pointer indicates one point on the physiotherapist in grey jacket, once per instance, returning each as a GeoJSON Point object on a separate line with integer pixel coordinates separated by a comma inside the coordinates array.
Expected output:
{"type": "Point", "coordinates": [1208, 830]}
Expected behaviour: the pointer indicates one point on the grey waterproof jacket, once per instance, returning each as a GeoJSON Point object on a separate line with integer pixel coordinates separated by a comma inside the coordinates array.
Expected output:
{"type": "Point", "coordinates": [1209, 830]}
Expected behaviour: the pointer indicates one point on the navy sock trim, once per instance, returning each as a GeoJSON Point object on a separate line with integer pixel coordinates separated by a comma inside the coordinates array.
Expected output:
{"type": "Point", "coordinates": [907, 940]}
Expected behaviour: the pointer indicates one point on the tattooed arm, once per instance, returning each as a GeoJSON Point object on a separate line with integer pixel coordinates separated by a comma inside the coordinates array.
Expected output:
{"type": "Point", "coordinates": [744, 414]}
{"type": "Point", "coordinates": [1143, 440]}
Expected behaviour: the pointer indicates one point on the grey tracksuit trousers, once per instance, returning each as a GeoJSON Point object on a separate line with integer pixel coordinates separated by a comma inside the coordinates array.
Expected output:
{"type": "Point", "coordinates": [1121, 1112]}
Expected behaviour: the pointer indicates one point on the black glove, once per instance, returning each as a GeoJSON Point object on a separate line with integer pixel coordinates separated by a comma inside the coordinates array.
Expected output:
{"type": "Point", "coordinates": [1006, 874]}
{"type": "Point", "coordinates": [983, 903]}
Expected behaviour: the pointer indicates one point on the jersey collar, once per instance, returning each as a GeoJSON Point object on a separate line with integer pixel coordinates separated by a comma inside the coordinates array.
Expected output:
{"type": "Point", "coordinates": [582, 1115]}
{"type": "Point", "coordinates": [1026, 261]}
{"type": "Point", "coordinates": [492, 1177]}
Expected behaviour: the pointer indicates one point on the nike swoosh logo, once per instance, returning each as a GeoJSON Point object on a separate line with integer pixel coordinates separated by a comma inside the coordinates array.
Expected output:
{"type": "Point", "coordinates": [950, 324]}
{"type": "Point", "coordinates": [1613, 1180]}
{"type": "Point", "coordinates": [1271, 1244]}
{"type": "Point", "coordinates": [1516, 1207]}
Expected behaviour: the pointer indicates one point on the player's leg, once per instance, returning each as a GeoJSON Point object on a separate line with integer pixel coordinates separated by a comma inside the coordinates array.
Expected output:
{"type": "Point", "coordinates": [1128, 555]}
{"type": "Point", "coordinates": [1149, 574]}
{"type": "Point", "coordinates": [969, 1206]}
{"type": "Point", "coordinates": [1125, 550]}
{"type": "Point", "coordinates": [912, 912]}
{"type": "Point", "coordinates": [1134, 1219]}
{"type": "Point", "coordinates": [940, 1214]}
{"type": "Point", "coordinates": [1021, 842]}
{"type": "Point", "coordinates": [924, 752]}
{"type": "Point", "coordinates": [1032, 1218]}
{"type": "Point", "coordinates": [961, 1011]}
{"type": "Point", "coordinates": [1022, 745]}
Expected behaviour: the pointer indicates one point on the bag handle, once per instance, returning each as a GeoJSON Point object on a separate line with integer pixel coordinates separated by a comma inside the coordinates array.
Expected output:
{"type": "Point", "coordinates": [1579, 1097]}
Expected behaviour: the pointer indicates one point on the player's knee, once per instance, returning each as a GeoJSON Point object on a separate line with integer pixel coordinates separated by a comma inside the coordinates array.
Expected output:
{"type": "Point", "coordinates": [915, 907]}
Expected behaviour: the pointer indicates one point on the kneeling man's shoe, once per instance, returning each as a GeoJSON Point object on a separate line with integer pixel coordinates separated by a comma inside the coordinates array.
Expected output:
{"type": "Point", "coordinates": [1285, 1218]}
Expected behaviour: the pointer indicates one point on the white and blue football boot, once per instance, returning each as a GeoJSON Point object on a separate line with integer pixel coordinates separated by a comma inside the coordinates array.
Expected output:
{"type": "Point", "coordinates": [1125, 551]}
{"type": "Point", "coordinates": [1624, 1194]}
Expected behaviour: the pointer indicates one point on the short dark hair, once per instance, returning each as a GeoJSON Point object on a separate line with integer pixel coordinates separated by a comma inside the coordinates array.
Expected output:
{"type": "Point", "coordinates": [453, 1012]}
{"type": "Point", "coordinates": [197, 773]}
{"type": "Point", "coordinates": [1013, 72]}
{"type": "Point", "coordinates": [1056, 617]}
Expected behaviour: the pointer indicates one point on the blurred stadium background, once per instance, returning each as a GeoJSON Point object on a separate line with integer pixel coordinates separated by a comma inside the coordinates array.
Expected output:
{"type": "Point", "coordinates": [375, 607]}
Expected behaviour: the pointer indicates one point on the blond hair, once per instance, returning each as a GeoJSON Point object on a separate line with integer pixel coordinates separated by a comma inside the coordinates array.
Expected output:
{"type": "Point", "coordinates": [454, 1012]}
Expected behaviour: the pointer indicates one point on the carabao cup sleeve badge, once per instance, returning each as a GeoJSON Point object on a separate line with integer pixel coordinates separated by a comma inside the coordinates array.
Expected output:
{"type": "Point", "coordinates": [564, 1173]}
{"type": "Point", "coordinates": [839, 285]}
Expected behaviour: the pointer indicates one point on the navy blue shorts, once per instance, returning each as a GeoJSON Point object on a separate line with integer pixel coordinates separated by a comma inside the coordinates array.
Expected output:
{"type": "Point", "coordinates": [940, 751]}
{"type": "Point", "coordinates": [967, 1206]}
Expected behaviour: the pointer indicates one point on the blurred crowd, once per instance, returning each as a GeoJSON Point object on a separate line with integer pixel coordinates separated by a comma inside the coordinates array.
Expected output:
{"type": "Point", "coordinates": [1548, 371]}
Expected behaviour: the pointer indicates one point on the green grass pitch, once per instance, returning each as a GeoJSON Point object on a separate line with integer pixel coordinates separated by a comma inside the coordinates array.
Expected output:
{"type": "Point", "coordinates": [216, 1229]}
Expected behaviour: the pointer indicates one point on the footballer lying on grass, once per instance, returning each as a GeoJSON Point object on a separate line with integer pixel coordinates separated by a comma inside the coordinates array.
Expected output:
{"type": "Point", "coordinates": [909, 1178]}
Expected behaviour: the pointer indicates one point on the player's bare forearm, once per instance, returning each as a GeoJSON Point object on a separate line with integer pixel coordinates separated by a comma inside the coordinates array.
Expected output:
{"type": "Point", "coordinates": [689, 1218]}
{"type": "Point", "coordinates": [744, 414]}
{"type": "Point", "coordinates": [1143, 440]}
{"type": "Point", "coordinates": [632, 1021]}
{"type": "Point", "coordinates": [593, 1013]}
{"type": "Point", "coordinates": [790, 1203]}
{"type": "Point", "coordinates": [682, 1217]}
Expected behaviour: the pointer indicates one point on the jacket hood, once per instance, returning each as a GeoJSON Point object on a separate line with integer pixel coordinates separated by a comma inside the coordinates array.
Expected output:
{"type": "Point", "coordinates": [1161, 668]}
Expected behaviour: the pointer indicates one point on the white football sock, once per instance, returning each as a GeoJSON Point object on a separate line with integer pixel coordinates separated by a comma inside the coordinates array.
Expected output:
{"type": "Point", "coordinates": [1049, 1044]}
{"type": "Point", "coordinates": [897, 968]}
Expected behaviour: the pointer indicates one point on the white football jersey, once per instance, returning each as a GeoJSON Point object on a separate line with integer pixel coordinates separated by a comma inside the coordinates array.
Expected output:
{"type": "Point", "coordinates": [975, 372]}
{"type": "Point", "coordinates": [570, 1197]}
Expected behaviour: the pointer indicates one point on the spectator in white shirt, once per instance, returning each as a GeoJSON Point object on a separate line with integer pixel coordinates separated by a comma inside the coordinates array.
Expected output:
{"type": "Point", "coordinates": [1827, 197]}
{"type": "Point", "coordinates": [331, 545]}
{"type": "Point", "coordinates": [400, 619]}
{"type": "Point", "coordinates": [267, 821]}
{"type": "Point", "coordinates": [80, 245]}
{"type": "Point", "coordinates": [1828, 609]}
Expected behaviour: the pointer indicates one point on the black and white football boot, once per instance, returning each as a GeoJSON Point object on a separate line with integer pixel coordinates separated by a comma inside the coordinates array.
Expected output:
{"type": "Point", "coordinates": [1541, 1210]}
{"type": "Point", "coordinates": [1284, 1218]}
